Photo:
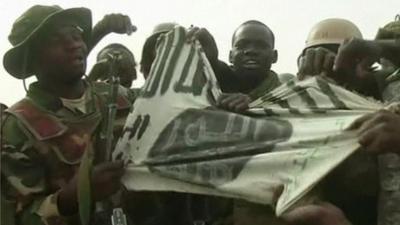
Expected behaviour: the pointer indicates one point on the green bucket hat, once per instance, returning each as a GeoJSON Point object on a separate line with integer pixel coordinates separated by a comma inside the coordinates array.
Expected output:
{"type": "Point", "coordinates": [31, 23]}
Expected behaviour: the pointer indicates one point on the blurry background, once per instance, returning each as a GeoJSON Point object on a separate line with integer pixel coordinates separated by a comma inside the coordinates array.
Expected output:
{"type": "Point", "coordinates": [290, 20]}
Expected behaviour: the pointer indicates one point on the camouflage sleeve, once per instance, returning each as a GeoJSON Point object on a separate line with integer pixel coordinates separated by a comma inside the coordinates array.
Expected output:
{"type": "Point", "coordinates": [391, 92]}
{"type": "Point", "coordinates": [24, 186]}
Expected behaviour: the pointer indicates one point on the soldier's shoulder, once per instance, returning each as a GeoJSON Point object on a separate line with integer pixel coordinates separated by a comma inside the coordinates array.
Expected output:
{"type": "Point", "coordinates": [391, 89]}
{"type": "Point", "coordinates": [285, 77]}
{"type": "Point", "coordinates": [14, 134]}
{"type": "Point", "coordinates": [104, 88]}
{"type": "Point", "coordinates": [125, 97]}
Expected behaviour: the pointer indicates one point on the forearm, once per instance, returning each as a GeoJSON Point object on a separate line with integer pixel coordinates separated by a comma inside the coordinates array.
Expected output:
{"type": "Point", "coordinates": [99, 32]}
{"type": "Point", "coordinates": [390, 50]}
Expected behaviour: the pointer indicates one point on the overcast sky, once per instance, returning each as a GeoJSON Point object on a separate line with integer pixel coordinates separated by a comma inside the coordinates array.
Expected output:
{"type": "Point", "coordinates": [290, 20]}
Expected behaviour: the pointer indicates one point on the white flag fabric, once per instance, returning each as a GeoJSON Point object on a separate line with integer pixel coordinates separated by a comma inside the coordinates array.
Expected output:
{"type": "Point", "coordinates": [175, 139]}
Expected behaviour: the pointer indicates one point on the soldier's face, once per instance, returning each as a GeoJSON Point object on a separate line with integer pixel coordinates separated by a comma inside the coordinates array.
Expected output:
{"type": "Point", "coordinates": [253, 48]}
{"type": "Point", "coordinates": [61, 53]}
{"type": "Point", "coordinates": [125, 68]}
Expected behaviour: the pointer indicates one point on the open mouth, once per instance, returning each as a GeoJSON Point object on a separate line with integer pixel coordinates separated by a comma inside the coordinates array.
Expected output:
{"type": "Point", "coordinates": [251, 64]}
{"type": "Point", "coordinates": [78, 59]}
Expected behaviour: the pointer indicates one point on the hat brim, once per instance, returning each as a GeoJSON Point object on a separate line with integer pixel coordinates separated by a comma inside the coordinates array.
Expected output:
{"type": "Point", "coordinates": [16, 60]}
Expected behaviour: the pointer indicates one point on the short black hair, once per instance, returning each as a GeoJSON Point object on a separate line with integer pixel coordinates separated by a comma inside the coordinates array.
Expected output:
{"type": "Point", "coordinates": [115, 46]}
{"type": "Point", "coordinates": [254, 22]}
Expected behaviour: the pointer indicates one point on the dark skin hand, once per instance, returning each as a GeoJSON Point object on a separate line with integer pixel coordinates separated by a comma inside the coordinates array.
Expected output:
{"type": "Point", "coordinates": [316, 214]}
{"type": "Point", "coordinates": [362, 54]}
{"type": "Point", "coordinates": [378, 132]}
{"type": "Point", "coordinates": [237, 102]}
{"type": "Point", "coordinates": [207, 42]}
{"type": "Point", "coordinates": [358, 54]}
{"type": "Point", "coordinates": [106, 180]}
{"type": "Point", "coordinates": [111, 23]}
{"type": "Point", "coordinates": [316, 61]}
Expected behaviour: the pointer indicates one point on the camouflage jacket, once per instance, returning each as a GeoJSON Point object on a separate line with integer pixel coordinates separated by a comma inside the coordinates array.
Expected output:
{"type": "Point", "coordinates": [389, 164]}
{"type": "Point", "coordinates": [42, 144]}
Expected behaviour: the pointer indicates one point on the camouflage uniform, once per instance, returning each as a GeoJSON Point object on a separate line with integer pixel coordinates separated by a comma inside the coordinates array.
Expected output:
{"type": "Point", "coordinates": [42, 145]}
{"type": "Point", "coordinates": [389, 164]}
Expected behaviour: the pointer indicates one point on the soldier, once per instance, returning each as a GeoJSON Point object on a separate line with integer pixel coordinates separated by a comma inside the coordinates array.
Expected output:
{"type": "Point", "coordinates": [45, 134]}
{"type": "Point", "coordinates": [377, 132]}
{"type": "Point", "coordinates": [252, 54]}
{"type": "Point", "coordinates": [321, 47]}
{"type": "Point", "coordinates": [389, 31]}
{"type": "Point", "coordinates": [124, 68]}
{"type": "Point", "coordinates": [317, 59]}
{"type": "Point", "coordinates": [126, 65]}
{"type": "Point", "coordinates": [250, 76]}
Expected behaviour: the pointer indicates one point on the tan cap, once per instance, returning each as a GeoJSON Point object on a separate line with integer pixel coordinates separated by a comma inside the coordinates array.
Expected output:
{"type": "Point", "coordinates": [332, 31]}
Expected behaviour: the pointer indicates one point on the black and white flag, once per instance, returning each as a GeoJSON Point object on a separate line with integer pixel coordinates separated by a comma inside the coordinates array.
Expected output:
{"type": "Point", "coordinates": [176, 139]}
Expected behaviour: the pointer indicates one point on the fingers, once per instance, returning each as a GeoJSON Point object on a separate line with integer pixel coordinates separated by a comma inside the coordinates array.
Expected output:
{"type": "Point", "coordinates": [303, 215]}
{"type": "Point", "coordinates": [376, 118]}
{"type": "Point", "coordinates": [191, 34]}
{"type": "Point", "coordinates": [344, 58]}
{"type": "Point", "coordinates": [225, 98]}
{"type": "Point", "coordinates": [319, 59]}
{"type": "Point", "coordinates": [301, 75]}
{"type": "Point", "coordinates": [359, 121]}
{"type": "Point", "coordinates": [129, 27]}
{"type": "Point", "coordinates": [372, 140]}
{"type": "Point", "coordinates": [321, 214]}
{"type": "Point", "coordinates": [119, 23]}
{"type": "Point", "coordinates": [239, 104]}
{"type": "Point", "coordinates": [234, 102]}
{"type": "Point", "coordinates": [378, 132]}
{"type": "Point", "coordinates": [315, 61]}
{"type": "Point", "coordinates": [106, 179]}
{"type": "Point", "coordinates": [328, 62]}
{"type": "Point", "coordinates": [308, 62]}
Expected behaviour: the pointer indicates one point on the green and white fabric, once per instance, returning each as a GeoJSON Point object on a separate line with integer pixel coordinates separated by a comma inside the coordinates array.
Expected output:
{"type": "Point", "coordinates": [176, 139]}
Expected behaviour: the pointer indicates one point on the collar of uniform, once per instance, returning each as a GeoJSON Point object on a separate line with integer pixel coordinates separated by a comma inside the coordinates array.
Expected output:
{"type": "Point", "coordinates": [50, 102]}
{"type": "Point", "coordinates": [394, 76]}
{"type": "Point", "coordinates": [270, 82]}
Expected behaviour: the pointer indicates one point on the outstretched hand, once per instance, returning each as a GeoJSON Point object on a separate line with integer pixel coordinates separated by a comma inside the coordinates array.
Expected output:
{"type": "Point", "coordinates": [106, 180]}
{"type": "Point", "coordinates": [117, 23]}
{"type": "Point", "coordinates": [378, 132]}
{"type": "Point", "coordinates": [237, 102]}
{"type": "Point", "coordinates": [206, 40]}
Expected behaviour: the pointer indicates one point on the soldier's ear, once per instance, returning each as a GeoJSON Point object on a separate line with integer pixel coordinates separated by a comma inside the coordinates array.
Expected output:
{"type": "Point", "coordinates": [230, 57]}
{"type": "Point", "coordinates": [275, 56]}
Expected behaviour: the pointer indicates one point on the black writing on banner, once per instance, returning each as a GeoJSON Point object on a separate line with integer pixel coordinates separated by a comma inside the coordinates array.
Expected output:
{"type": "Point", "coordinates": [138, 128]}
{"type": "Point", "coordinates": [170, 49]}
{"type": "Point", "coordinates": [189, 145]}
{"type": "Point", "coordinates": [209, 173]}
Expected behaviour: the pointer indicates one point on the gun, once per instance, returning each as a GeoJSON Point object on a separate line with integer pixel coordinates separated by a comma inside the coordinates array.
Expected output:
{"type": "Point", "coordinates": [107, 133]}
